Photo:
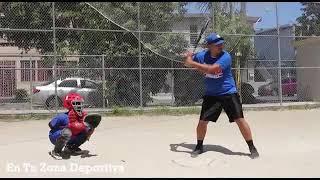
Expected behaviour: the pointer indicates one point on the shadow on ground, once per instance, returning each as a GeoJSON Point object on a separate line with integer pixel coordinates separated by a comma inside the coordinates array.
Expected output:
{"type": "Point", "coordinates": [84, 154]}
{"type": "Point", "coordinates": [209, 147]}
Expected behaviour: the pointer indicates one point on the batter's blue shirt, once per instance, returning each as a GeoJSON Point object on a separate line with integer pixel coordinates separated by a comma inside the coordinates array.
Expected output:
{"type": "Point", "coordinates": [217, 84]}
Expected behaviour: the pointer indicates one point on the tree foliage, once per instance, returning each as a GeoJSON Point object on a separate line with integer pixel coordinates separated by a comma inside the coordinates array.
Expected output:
{"type": "Point", "coordinates": [119, 46]}
{"type": "Point", "coordinates": [309, 21]}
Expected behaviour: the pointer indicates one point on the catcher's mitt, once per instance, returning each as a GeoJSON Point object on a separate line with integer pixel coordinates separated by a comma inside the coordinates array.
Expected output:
{"type": "Point", "coordinates": [93, 120]}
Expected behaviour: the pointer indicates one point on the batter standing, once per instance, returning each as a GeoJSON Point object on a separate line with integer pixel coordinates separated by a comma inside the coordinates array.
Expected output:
{"type": "Point", "coordinates": [221, 91]}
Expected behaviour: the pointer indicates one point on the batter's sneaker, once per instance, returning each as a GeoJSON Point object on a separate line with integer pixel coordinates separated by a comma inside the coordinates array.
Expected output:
{"type": "Point", "coordinates": [254, 153]}
{"type": "Point", "coordinates": [56, 155]}
{"type": "Point", "coordinates": [197, 151]}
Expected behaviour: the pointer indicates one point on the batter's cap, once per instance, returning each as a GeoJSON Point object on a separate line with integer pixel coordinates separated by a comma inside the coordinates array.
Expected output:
{"type": "Point", "coordinates": [214, 38]}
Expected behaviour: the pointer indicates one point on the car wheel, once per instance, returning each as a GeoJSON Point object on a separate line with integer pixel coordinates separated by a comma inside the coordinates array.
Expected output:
{"type": "Point", "coordinates": [50, 102]}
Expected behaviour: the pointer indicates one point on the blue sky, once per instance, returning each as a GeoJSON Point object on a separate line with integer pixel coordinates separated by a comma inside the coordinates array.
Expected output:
{"type": "Point", "coordinates": [287, 12]}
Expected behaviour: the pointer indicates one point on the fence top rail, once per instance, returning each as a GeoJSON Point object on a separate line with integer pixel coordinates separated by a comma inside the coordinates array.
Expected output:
{"type": "Point", "coordinates": [48, 55]}
{"type": "Point", "coordinates": [26, 30]}
{"type": "Point", "coordinates": [186, 33]}
{"type": "Point", "coordinates": [71, 55]}
{"type": "Point", "coordinates": [155, 32]}
{"type": "Point", "coordinates": [150, 68]}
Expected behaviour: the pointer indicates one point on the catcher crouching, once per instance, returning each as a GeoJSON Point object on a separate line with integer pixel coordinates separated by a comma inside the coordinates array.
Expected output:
{"type": "Point", "coordinates": [71, 129]}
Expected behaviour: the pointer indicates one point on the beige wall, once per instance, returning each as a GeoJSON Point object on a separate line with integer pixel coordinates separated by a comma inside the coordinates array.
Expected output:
{"type": "Point", "coordinates": [308, 80]}
{"type": "Point", "coordinates": [9, 53]}
{"type": "Point", "coordinates": [6, 51]}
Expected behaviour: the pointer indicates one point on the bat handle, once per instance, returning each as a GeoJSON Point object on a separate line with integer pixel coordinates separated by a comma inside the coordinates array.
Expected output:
{"type": "Point", "coordinates": [194, 50]}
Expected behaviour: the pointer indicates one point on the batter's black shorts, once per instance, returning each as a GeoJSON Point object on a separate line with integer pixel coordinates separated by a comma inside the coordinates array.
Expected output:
{"type": "Point", "coordinates": [212, 107]}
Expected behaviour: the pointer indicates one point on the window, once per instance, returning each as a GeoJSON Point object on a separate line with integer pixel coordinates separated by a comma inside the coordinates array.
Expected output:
{"type": "Point", "coordinates": [88, 84]}
{"type": "Point", "coordinates": [7, 78]}
{"type": "Point", "coordinates": [25, 73]}
{"type": "Point", "coordinates": [193, 37]}
{"type": "Point", "coordinates": [43, 74]}
{"type": "Point", "coordinates": [69, 83]}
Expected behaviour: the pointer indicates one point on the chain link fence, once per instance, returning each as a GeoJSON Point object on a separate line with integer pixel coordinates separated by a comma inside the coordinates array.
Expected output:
{"type": "Point", "coordinates": [129, 54]}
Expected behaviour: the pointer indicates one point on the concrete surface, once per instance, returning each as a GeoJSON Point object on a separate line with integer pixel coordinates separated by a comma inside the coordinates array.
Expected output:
{"type": "Point", "coordinates": [150, 146]}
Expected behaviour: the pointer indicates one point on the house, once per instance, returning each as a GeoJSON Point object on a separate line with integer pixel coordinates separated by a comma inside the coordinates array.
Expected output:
{"type": "Point", "coordinates": [263, 68]}
{"type": "Point", "coordinates": [308, 55]}
{"type": "Point", "coordinates": [12, 77]}
{"type": "Point", "coordinates": [267, 53]}
{"type": "Point", "coordinates": [193, 22]}
{"type": "Point", "coordinates": [14, 72]}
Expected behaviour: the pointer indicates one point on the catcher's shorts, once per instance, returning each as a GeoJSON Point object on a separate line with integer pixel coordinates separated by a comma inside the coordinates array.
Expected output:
{"type": "Point", "coordinates": [212, 107]}
{"type": "Point", "coordinates": [54, 135]}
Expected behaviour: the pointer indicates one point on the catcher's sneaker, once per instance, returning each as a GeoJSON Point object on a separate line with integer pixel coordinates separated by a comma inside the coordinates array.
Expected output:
{"type": "Point", "coordinates": [56, 155]}
{"type": "Point", "coordinates": [254, 153]}
{"type": "Point", "coordinates": [73, 150]}
{"type": "Point", "coordinates": [197, 151]}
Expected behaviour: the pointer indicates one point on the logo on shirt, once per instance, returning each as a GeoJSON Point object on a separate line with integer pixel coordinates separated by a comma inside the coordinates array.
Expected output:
{"type": "Point", "coordinates": [214, 76]}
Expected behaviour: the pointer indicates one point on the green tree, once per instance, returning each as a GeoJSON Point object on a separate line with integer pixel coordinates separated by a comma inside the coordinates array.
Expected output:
{"type": "Point", "coordinates": [121, 47]}
{"type": "Point", "coordinates": [309, 21]}
{"type": "Point", "coordinates": [156, 47]}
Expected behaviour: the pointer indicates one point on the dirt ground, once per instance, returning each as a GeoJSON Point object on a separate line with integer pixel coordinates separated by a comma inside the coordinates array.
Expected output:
{"type": "Point", "coordinates": [160, 146]}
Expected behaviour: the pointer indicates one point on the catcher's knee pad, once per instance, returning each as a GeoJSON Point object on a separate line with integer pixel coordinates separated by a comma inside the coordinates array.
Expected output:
{"type": "Point", "coordinates": [62, 140]}
{"type": "Point", "coordinates": [66, 134]}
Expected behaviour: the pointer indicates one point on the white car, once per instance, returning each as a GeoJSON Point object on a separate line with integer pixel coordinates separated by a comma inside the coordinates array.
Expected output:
{"type": "Point", "coordinates": [45, 95]}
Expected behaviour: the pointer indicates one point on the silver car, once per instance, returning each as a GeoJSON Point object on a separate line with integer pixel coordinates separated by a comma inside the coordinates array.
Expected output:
{"type": "Point", "coordinates": [45, 95]}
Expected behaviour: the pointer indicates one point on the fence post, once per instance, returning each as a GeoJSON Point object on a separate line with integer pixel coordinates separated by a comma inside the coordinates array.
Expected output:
{"type": "Point", "coordinates": [54, 58]}
{"type": "Point", "coordinates": [140, 61]}
{"type": "Point", "coordinates": [31, 83]}
{"type": "Point", "coordinates": [212, 15]}
{"type": "Point", "coordinates": [103, 82]}
{"type": "Point", "coordinates": [172, 84]}
{"type": "Point", "coordinates": [279, 58]}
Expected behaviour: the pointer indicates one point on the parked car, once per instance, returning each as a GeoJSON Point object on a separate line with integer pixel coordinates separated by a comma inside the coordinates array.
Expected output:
{"type": "Point", "coordinates": [45, 94]}
{"type": "Point", "coordinates": [289, 88]}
